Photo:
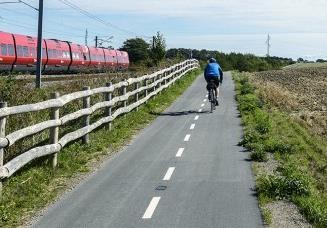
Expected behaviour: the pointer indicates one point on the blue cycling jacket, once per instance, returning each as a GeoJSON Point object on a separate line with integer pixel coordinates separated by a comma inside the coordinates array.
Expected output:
{"type": "Point", "coordinates": [213, 70]}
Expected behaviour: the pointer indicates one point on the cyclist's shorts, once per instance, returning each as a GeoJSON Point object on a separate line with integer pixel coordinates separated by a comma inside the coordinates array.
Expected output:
{"type": "Point", "coordinates": [215, 80]}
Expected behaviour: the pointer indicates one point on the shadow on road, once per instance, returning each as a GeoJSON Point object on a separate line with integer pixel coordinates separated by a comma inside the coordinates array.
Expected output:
{"type": "Point", "coordinates": [181, 113]}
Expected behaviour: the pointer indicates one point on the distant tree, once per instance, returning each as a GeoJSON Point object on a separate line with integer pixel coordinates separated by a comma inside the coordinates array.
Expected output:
{"type": "Point", "coordinates": [158, 48]}
{"type": "Point", "coordinates": [137, 48]}
{"type": "Point", "coordinates": [321, 61]}
{"type": "Point", "coordinates": [300, 60]}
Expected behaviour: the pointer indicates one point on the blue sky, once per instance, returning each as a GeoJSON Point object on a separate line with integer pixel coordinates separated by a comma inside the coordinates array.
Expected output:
{"type": "Point", "coordinates": [297, 27]}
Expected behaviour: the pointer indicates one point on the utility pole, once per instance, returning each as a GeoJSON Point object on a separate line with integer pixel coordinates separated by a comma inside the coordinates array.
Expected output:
{"type": "Point", "coordinates": [96, 41]}
{"type": "Point", "coordinates": [268, 45]}
{"type": "Point", "coordinates": [86, 36]}
{"type": "Point", "coordinates": [39, 47]}
{"type": "Point", "coordinates": [153, 38]}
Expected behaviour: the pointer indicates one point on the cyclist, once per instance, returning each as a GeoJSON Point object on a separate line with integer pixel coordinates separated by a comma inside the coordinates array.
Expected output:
{"type": "Point", "coordinates": [213, 72]}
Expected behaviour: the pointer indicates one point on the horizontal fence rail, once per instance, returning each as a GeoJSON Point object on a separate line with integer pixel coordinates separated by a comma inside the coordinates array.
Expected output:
{"type": "Point", "coordinates": [150, 85]}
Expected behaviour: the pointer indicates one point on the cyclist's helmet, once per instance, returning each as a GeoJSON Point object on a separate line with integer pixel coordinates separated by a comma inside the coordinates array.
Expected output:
{"type": "Point", "coordinates": [212, 60]}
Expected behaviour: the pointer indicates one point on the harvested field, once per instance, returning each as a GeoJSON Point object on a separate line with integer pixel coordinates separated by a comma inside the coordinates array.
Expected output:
{"type": "Point", "coordinates": [301, 91]}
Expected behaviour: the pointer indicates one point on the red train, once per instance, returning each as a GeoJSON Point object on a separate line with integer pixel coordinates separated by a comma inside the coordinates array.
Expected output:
{"type": "Point", "coordinates": [18, 53]}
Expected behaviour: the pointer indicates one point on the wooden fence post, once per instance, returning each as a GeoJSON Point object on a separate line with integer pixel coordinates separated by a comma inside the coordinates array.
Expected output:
{"type": "Point", "coordinates": [154, 80]}
{"type": "Point", "coordinates": [108, 97]}
{"type": "Point", "coordinates": [124, 93]}
{"type": "Point", "coordinates": [137, 85]}
{"type": "Point", "coordinates": [2, 135]}
{"type": "Point", "coordinates": [174, 75]}
{"type": "Point", "coordinates": [165, 75]}
{"type": "Point", "coordinates": [146, 90]}
{"type": "Point", "coordinates": [160, 76]}
{"type": "Point", "coordinates": [86, 122]}
{"type": "Point", "coordinates": [54, 131]}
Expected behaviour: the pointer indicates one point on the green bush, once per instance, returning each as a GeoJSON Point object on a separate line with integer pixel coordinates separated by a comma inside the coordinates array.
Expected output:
{"type": "Point", "coordinates": [250, 136]}
{"type": "Point", "coordinates": [246, 88]}
{"type": "Point", "coordinates": [281, 187]}
{"type": "Point", "coordinates": [259, 156]}
{"type": "Point", "coordinates": [314, 209]}
{"type": "Point", "coordinates": [262, 122]}
{"type": "Point", "coordinates": [249, 102]}
{"type": "Point", "coordinates": [276, 146]}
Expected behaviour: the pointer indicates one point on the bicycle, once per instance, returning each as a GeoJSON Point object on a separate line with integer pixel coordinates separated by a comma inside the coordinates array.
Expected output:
{"type": "Point", "coordinates": [211, 95]}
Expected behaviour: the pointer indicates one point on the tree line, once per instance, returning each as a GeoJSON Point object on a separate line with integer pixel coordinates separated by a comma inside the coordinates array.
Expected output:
{"type": "Point", "coordinates": [233, 61]}
{"type": "Point", "coordinates": [144, 53]}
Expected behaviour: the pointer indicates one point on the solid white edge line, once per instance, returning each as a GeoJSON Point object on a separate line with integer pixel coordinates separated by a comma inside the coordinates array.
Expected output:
{"type": "Point", "coordinates": [202, 105]}
{"type": "Point", "coordinates": [180, 152]}
{"type": "Point", "coordinates": [169, 173]}
{"type": "Point", "coordinates": [196, 117]}
{"type": "Point", "coordinates": [192, 126]}
{"type": "Point", "coordinates": [187, 138]}
{"type": "Point", "coordinates": [151, 208]}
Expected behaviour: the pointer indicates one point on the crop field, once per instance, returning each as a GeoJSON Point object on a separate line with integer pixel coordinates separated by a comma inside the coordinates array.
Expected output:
{"type": "Point", "coordinates": [284, 116]}
{"type": "Point", "coordinates": [306, 65]}
{"type": "Point", "coordinates": [300, 91]}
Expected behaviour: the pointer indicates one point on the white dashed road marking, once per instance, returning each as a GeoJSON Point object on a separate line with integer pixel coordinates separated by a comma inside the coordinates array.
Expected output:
{"type": "Point", "coordinates": [192, 126]}
{"type": "Point", "coordinates": [152, 206]}
{"type": "Point", "coordinates": [204, 100]}
{"type": "Point", "coordinates": [200, 110]}
{"type": "Point", "coordinates": [180, 152]}
{"type": "Point", "coordinates": [202, 105]}
{"type": "Point", "coordinates": [169, 173]}
{"type": "Point", "coordinates": [187, 138]}
{"type": "Point", "coordinates": [207, 95]}
{"type": "Point", "coordinates": [196, 117]}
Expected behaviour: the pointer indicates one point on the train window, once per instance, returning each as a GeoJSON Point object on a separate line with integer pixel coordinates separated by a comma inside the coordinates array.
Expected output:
{"type": "Point", "coordinates": [19, 50]}
{"type": "Point", "coordinates": [33, 52]}
{"type": "Point", "coordinates": [50, 53]}
{"type": "Point", "coordinates": [3, 49]}
{"type": "Point", "coordinates": [25, 51]}
{"type": "Point", "coordinates": [11, 50]}
{"type": "Point", "coordinates": [44, 53]}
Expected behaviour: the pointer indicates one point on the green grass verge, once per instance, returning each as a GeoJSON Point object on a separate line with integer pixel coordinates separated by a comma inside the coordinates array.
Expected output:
{"type": "Point", "coordinates": [302, 174]}
{"type": "Point", "coordinates": [37, 185]}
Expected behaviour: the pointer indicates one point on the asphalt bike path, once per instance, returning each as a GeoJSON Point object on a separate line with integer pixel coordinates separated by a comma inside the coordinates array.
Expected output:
{"type": "Point", "coordinates": [183, 170]}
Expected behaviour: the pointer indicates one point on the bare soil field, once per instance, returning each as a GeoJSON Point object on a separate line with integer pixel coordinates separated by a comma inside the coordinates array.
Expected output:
{"type": "Point", "coordinates": [300, 91]}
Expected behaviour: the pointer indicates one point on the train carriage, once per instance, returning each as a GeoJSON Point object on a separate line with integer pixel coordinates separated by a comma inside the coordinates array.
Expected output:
{"type": "Point", "coordinates": [59, 56]}
{"type": "Point", "coordinates": [111, 59]}
{"type": "Point", "coordinates": [7, 52]}
{"type": "Point", "coordinates": [124, 60]}
{"type": "Point", "coordinates": [98, 61]}
{"type": "Point", "coordinates": [80, 57]}
{"type": "Point", "coordinates": [19, 53]}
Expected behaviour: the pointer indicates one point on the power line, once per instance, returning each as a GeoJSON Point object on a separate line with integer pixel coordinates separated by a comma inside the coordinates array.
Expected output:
{"type": "Point", "coordinates": [33, 29]}
{"type": "Point", "coordinates": [96, 18]}
{"type": "Point", "coordinates": [20, 1]}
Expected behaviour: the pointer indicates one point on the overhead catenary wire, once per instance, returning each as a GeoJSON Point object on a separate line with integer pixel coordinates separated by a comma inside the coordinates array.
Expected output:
{"type": "Point", "coordinates": [96, 18]}
{"type": "Point", "coordinates": [22, 2]}
{"type": "Point", "coordinates": [33, 28]}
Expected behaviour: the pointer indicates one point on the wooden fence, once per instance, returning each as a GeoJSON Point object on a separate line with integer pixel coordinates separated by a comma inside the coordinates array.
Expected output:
{"type": "Point", "coordinates": [158, 81]}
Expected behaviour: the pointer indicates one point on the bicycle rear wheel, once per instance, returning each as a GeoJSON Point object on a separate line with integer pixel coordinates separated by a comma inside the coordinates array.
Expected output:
{"type": "Point", "coordinates": [213, 101]}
